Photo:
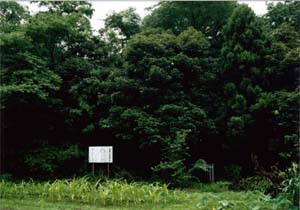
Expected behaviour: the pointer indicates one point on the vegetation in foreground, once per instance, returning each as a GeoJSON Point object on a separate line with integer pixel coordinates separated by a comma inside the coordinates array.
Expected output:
{"type": "Point", "coordinates": [84, 191]}
{"type": "Point", "coordinates": [84, 194]}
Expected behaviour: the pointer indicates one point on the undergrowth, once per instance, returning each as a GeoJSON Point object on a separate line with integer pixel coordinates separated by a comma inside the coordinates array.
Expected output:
{"type": "Point", "coordinates": [243, 201]}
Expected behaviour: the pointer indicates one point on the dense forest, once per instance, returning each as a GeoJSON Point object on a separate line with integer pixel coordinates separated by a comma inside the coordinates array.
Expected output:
{"type": "Point", "coordinates": [190, 83]}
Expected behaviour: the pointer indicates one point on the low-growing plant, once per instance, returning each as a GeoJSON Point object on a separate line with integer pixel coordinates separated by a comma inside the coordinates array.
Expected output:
{"type": "Point", "coordinates": [255, 183]}
{"type": "Point", "coordinates": [116, 192]}
{"type": "Point", "coordinates": [242, 201]}
{"type": "Point", "coordinates": [220, 186]}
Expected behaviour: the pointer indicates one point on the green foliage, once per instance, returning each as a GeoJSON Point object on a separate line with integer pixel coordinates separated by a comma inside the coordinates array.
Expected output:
{"type": "Point", "coordinates": [6, 177]}
{"type": "Point", "coordinates": [12, 11]}
{"type": "Point", "coordinates": [215, 187]}
{"type": "Point", "coordinates": [193, 42]}
{"type": "Point", "coordinates": [291, 184]}
{"type": "Point", "coordinates": [172, 168]}
{"type": "Point", "coordinates": [243, 200]}
{"type": "Point", "coordinates": [190, 81]}
{"type": "Point", "coordinates": [47, 160]}
{"type": "Point", "coordinates": [208, 17]}
{"type": "Point", "coordinates": [287, 12]}
{"type": "Point", "coordinates": [127, 22]}
{"type": "Point", "coordinates": [23, 72]}
{"type": "Point", "coordinates": [11, 15]}
{"type": "Point", "coordinates": [106, 193]}
{"type": "Point", "coordinates": [283, 58]}
{"type": "Point", "coordinates": [244, 44]}
{"type": "Point", "coordinates": [255, 183]}
{"type": "Point", "coordinates": [69, 7]}
{"type": "Point", "coordinates": [281, 109]}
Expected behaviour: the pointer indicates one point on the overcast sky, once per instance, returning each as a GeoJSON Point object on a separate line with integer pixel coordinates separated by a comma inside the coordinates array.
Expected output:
{"type": "Point", "coordinates": [102, 8]}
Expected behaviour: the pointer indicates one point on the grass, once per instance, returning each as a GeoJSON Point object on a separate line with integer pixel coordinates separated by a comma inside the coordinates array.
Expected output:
{"type": "Point", "coordinates": [32, 204]}
{"type": "Point", "coordinates": [83, 194]}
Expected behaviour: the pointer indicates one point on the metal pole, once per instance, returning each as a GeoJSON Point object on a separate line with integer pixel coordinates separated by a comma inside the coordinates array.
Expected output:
{"type": "Point", "coordinates": [213, 173]}
{"type": "Point", "coordinates": [93, 169]}
{"type": "Point", "coordinates": [108, 170]}
{"type": "Point", "coordinates": [209, 174]}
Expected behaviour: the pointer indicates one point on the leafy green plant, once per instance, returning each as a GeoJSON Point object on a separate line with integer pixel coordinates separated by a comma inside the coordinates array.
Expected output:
{"type": "Point", "coordinates": [49, 159]}
{"type": "Point", "coordinates": [116, 192]}
{"type": "Point", "coordinates": [5, 177]}
{"type": "Point", "coordinates": [173, 169]}
{"type": "Point", "coordinates": [255, 183]}
{"type": "Point", "coordinates": [291, 184]}
{"type": "Point", "coordinates": [242, 201]}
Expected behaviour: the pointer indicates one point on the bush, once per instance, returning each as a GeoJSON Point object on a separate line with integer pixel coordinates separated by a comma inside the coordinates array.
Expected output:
{"type": "Point", "coordinates": [291, 184]}
{"type": "Point", "coordinates": [52, 160]}
{"type": "Point", "coordinates": [255, 183]}
{"type": "Point", "coordinates": [5, 177]}
{"type": "Point", "coordinates": [173, 168]}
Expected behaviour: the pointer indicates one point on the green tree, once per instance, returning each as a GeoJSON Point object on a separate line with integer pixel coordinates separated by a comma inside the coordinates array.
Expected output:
{"type": "Point", "coordinates": [69, 7]}
{"type": "Point", "coordinates": [283, 58]}
{"type": "Point", "coordinates": [287, 12]}
{"type": "Point", "coordinates": [127, 22]}
{"type": "Point", "coordinates": [150, 103]}
{"type": "Point", "coordinates": [11, 15]}
{"type": "Point", "coordinates": [277, 113]}
{"type": "Point", "coordinates": [207, 17]}
{"type": "Point", "coordinates": [243, 55]}
{"type": "Point", "coordinates": [42, 62]}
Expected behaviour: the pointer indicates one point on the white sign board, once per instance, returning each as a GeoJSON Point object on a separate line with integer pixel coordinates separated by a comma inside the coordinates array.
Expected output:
{"type": "Point", "coordinates": [101, 154]}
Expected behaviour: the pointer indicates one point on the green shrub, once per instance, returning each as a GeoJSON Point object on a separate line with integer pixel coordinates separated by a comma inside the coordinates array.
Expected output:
{"type": "Point", "coordinates": [255, 183]}
{"type": "Point", "coordinates": [5, 177]}
{"type": "Point", "coordinates": [173, 168]}
{"type": "Point", "coordinates": [50, 159]}
{"type": "Point", "coordinates": [291, 184]}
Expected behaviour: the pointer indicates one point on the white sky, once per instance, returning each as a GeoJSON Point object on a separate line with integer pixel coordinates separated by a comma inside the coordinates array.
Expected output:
{"type": "Point", "coordinates": [102, 8]}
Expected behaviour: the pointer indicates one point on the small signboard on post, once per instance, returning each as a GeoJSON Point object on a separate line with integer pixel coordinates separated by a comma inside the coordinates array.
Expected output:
{"type": "Point", "coordinates": [101, 154]}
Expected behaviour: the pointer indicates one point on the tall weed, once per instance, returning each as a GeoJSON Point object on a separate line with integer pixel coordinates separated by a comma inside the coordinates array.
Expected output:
{"type": "Point", "coordinates": [116, 192]}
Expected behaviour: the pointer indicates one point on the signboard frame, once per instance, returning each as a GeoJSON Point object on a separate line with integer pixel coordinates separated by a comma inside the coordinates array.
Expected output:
{"type": "Point", "coordinates": [100, 154]}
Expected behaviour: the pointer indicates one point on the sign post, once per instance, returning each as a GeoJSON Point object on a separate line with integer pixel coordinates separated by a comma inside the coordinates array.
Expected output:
{"type": "Point", "coordinates": [93, 169]}
{"type": "Point", "coordinates": [101, 154]}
